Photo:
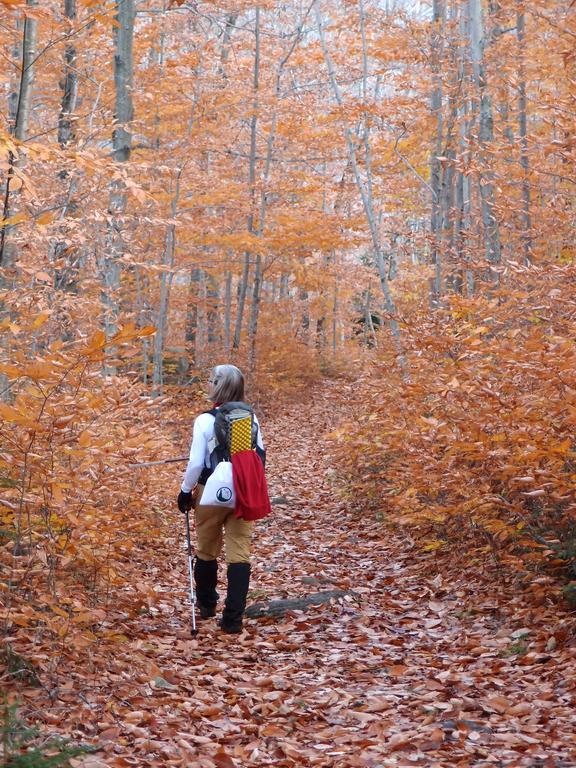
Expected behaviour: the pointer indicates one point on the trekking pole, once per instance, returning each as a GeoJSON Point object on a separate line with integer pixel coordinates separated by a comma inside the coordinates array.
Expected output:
{"type": "Point", "coordinates": [161, 461]}
{"type": "Point", "coordinates": [194, 631]}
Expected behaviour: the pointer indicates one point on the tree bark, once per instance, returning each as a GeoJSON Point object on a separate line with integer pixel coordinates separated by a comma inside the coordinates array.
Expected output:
{"type": "Point", "coordinates": [228, 314]}
{"type": "Point", "coordinates": [122, 145]}
{"type": "Point", "coordinates": [438, 17]}
{"type": "Point", "coordinates": [485, 135]}
{"type": "Point", "coordinates": [213, 301]}
{"type": "Point", "coordinates": [226, 37]}
{"type": "Point", "coordinates": [368, 322]}
{"type": "Point", "coordinates": [69, 84]}
{"type": "Point", "coordinates": [201, 336]}
{"type": "Point", "coordinates": [523, 135]}
{"type": "Point", "coordinates": [192, 308]}
{"type": "Point", "coordinates": [243, 287]}
{"type": "Point", "coordinates": [21, 118]}
{"type": "Point", "coordinates": [165, 285]}
{"type": "Point", "coordinates": [335, 308]}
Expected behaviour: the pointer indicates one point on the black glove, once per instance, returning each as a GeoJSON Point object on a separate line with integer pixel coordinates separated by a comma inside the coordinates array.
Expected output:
{"type": "Point", "coordinates": [185, 501]}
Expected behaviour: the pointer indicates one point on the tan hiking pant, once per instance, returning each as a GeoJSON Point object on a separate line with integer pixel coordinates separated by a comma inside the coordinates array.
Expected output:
{"type": "Point", "coordinates": [217, 525]}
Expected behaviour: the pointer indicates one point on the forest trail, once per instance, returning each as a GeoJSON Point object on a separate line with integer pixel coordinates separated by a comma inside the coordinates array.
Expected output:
{"type": "Point", "coordinates": [416, 667]}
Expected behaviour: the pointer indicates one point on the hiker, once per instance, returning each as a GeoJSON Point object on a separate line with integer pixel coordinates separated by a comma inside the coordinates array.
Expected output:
{"type": "Point", "coordinates": [215, 524]}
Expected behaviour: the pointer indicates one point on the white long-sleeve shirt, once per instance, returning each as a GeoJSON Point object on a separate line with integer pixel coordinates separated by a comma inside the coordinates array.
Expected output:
{"type": "Point", "coordinates": [202, 434]}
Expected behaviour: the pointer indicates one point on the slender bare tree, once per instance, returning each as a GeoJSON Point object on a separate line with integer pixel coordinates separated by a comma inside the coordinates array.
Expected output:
{"type": "Point", "coordinates": [122, 146]}
{"type": "Point", "coordinates": [523, 133]}
{"type": "Point", "coordinates": [251, 222]}
{"type": "Point", "coordinates": [364, 186]}
{"type": "Point", "coordinates": [19, 128]}
{"type": "Point", "coordinates": [484, 112]}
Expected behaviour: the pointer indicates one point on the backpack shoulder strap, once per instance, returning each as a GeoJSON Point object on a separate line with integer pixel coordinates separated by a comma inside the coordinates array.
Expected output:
{"type": "Point", "coordinates": [234, 405]}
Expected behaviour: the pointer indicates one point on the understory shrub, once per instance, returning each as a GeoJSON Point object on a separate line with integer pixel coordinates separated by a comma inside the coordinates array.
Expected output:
{"type": "Point", "coordinates": [475, 438]}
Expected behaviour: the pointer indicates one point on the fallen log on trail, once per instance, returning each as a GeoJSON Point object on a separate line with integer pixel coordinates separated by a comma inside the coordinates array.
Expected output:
{"type": "Point", "coordinates": [277, 608]}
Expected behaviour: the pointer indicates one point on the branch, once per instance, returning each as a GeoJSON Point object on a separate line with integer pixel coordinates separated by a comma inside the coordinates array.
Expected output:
{"type": "Point", "coordinates": [410, 166]}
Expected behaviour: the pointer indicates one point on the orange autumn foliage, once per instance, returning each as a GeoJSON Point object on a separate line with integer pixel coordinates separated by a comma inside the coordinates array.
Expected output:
{"type": "Point", "coordinates": [476, 444]}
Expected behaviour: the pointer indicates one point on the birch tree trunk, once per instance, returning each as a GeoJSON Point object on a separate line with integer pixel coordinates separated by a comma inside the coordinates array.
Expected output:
{"type": "Point", "coordinates": [122, 145]}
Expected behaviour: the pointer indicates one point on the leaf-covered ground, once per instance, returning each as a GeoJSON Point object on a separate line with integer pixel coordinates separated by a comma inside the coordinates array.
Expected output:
{"type": "Point", "coordinates": [422, 663]}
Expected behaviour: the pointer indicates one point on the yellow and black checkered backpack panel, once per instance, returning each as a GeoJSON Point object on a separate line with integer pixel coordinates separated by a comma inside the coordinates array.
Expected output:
{"type": "Point", "coordinates": [240, 434]}
{"type": "Point", "coordinates": [235, 430]}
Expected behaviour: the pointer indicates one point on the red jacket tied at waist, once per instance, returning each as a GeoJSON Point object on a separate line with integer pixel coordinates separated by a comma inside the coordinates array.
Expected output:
{"type": "Point", "coordinates": [252, 501]}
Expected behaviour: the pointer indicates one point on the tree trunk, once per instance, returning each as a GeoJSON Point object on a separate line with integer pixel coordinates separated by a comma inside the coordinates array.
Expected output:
{"type": "Point", "coordinates": [335, 307]}
{"type": "Point", "coordinates": [523, 134]}
{"type": "Point", "coordinates": [165, 285]}
{"type": "Point", "coordinates": [21, 118]}
{"type": "Point", "coordinates": [192, 308]}
{"type": "Point", "coordinates": [213, 301]}
{"type": "Point", "coordinates": [241, 301]}
{"type": "Point", "coordinates": [254, 312]}
{"type": "Point", "coordinates": [243, 287]}
{"type": "Point", "coordinates": [226, 37]}
{"type": "Point", "coordinates": [485, 135]}
{"type": "Point", "coordinates": [27, 76]}
{"type": "Point", "coordinates": [66, 276]}
{"type": "Point", "coordinates": [368, 322]}
{"type": "Point", "coordinates": [438, 17]}
{"type": "Point", "coordinates": [201, 336]}
{"type": "Point", "coordinates": [143, 314]}
{"type": "Point", "coordinates": [69, 83]}
{"type": "Point", "coordinates": [122, 145]}
{"type": "Point", "coordinates": [228, 314]}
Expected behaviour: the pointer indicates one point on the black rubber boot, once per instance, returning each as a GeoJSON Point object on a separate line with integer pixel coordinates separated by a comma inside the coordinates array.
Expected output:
{"type": "Point", "coordinates": [206, 577]}
{"type": "Point", "coordinates": [238, 583]}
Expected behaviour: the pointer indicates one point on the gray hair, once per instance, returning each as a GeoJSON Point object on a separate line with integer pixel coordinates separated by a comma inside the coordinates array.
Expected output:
{"type": "Point", "coordinates": [227, 384]}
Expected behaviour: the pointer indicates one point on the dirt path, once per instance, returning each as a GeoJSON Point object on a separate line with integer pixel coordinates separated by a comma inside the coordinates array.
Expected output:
{"type": "Point", "coordinates": [419, 668]}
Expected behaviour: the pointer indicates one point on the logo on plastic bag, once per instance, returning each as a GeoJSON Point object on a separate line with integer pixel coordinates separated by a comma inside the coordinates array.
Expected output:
{"type": "Point", "coordinates": [223, 494]}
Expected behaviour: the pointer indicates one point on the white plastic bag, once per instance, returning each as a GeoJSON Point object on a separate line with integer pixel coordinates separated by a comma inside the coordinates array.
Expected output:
{"type": "Point", "coordinates": [219, 488]}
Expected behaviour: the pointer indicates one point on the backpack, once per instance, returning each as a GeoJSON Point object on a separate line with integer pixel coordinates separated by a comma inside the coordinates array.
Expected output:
{"type": "Point", "coordinates": [235, 429]}
{"type": "Point", "coordinates": [236, 432]}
